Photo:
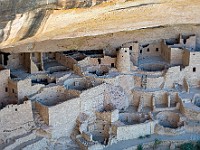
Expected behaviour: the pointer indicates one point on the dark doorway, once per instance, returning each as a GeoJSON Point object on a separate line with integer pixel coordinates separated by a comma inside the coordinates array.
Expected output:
{"type": "Point", "coordinates": [5, 58]}
{"type": "Point", "coordinates": [194, 69]}
{"type": "Point", "coordinates": [99, 60]}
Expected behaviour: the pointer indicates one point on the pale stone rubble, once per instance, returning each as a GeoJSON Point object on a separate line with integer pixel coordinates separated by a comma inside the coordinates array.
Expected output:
{"type": "Point", "coordinates": [96, 98]}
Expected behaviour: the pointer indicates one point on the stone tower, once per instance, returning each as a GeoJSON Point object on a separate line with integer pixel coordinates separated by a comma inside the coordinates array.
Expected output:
{"type": "Point", "coordinates": [123, 60]}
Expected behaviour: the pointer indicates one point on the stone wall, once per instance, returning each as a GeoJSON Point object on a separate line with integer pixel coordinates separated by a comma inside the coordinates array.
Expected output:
{"type": "Point", "coordinates": [191, 74]}
{"type": "Point", "coordinates": [176, 57]}
{"type": "Point", "coordinates": [106, 60]}
{"type": "Point", "coordinates": [186, 57]}
{"type": "Point", "coordinates": [160, 97]}
{"type": "Point", "coordinates": [120, 80]}
{"type": "Point", "coordinates": [93, 100]}
{"type": "Point", "coordinates": [12, 88]}
{"type": "Point", "coordinates": [172, 76]}
{"type": "Point", "coordinates": [123, 132]}
{"type": "Point", "coordinates": [154, 83]}
{"type": "Point", "coordinates": [116, 96]}
{"type": "Point", "coordinates": [109, 116]}
{"type": "Point", "coordinates": [62, 117]}
{"type": "Point", "coordinates": [43, 111]}
{"type": "Point", "coordinates": [65, 60]}
{"type": "Point", "coordinates": [25, 88]}
{"type": "Point", "coordinates": [134, 51]}
{"type": "Point", "coordinates": [188, 41]}
{"type": "Point", "coordinates": [153, 49]}
{"type": "Point", "coordinates": [15, 61]}
{"type": "Point", "coordinates": [51, 96]}
{"type": "Point", "coordinates": [16, 120]}
{"type": "Point", "coordinates": [194, 58]}
{"type": "Point", "coordinates": [165, 51]}
{"type": "Point", "coordinates": [191, 111]}
{"type": "Point", "coordinates": [4, 75]}
{"type": "Point", "coordinates": [123, 60]}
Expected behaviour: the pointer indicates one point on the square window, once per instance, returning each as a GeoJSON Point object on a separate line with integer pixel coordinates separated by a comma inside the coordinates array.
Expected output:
{"type": "Point", "coordinates": [157, 49]}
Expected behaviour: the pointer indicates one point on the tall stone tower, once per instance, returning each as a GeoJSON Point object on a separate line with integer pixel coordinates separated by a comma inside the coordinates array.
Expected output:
{"type": "Point", "coordinates": [123, 60]}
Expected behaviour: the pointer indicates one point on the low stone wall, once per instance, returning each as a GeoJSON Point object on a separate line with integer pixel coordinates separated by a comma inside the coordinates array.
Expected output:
{"type": "Point", "coordinates": [153, 83]}
{"type": "Point", "coordinates": [168, 131]}
{"type": "Point", "coordinates": [177, 107]}
{"type": "Point", "coordinates": [191, 111]}
{"type": "Point", "coordinates": [134, 131]}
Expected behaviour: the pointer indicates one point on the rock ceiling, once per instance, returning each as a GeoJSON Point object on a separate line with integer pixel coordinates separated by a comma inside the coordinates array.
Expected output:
{"type": "Point", "coordinates": [106, 25]}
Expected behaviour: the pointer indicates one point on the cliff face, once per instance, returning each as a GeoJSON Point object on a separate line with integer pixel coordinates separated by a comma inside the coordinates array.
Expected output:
{"type": "Point", "coordinates": [38, 26]}
{"type": "Point", "coordinates": [10, 9]}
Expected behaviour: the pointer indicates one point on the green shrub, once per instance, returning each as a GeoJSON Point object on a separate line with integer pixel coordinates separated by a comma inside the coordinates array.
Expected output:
{"type": "Point", "coordinates": [187, 146]}
{"type": "Point", "coordinates": [197, 146]}
{"type": "Point", "coordinates": [148, 136]}
{"type": "Point", "coordinates": [140, 147]}
{"type": "Point", "coordinates": [141, 137]}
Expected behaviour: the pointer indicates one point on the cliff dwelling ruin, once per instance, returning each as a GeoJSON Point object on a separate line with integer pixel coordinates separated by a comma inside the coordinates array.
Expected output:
{"type": "Point", "coordinates": [66, 83]}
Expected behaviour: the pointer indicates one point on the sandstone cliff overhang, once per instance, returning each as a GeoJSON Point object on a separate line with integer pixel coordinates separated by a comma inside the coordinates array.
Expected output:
{"type": "Point", "coordinates": [104, 25]}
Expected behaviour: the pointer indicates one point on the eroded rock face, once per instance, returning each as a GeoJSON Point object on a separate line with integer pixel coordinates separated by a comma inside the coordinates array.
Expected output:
{"type": "Point", "coordinates": [11, 10]}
